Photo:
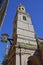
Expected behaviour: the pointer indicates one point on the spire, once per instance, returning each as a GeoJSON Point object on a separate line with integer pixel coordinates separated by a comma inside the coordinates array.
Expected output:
{"type": "Point", "coordinates": [21, 4]}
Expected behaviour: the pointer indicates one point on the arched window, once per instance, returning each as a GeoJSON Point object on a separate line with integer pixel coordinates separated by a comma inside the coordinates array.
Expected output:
{"type": "Point", "coordinates": [24, 17]}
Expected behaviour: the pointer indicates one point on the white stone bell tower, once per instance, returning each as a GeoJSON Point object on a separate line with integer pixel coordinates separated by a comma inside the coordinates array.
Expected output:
{"type": "Point", "coordinates": [24, 36]}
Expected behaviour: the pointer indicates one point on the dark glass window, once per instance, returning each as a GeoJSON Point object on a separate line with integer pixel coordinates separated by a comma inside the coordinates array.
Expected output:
{"type": "Point", "coordinates": [24, 17]}
{"type": "Point", "coordinates": [1, 3]}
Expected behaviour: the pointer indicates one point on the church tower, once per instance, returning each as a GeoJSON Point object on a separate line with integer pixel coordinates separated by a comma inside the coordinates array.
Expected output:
{"type": "Point", "coordinates": [24, 38]}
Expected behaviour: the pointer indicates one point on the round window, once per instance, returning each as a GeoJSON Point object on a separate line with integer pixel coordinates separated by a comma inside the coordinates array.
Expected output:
{"type": "Point", "coordinates": [19, 8]}
{"type": "Point", "coordinates": [22, 8]}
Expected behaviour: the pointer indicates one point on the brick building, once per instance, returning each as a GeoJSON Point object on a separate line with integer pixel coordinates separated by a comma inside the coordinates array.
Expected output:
{"type": "Point", "coordinates": [37, 58]}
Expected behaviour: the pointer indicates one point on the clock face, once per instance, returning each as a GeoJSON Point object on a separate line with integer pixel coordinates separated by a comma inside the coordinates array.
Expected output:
{"type": "Point", "coordinates": [1, 3]}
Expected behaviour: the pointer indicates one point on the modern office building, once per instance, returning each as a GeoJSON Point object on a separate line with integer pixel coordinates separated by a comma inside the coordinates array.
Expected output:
{"type": "Point", "coordinates": [3, 6]}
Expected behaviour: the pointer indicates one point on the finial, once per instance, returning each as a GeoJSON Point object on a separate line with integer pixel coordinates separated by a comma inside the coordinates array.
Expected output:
{"type": "Point", "coordinates": [20, 4]}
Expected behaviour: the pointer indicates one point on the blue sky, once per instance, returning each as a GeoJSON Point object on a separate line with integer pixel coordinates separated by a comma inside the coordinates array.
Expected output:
{"type": "Point", "coordinates": [33, 7]}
